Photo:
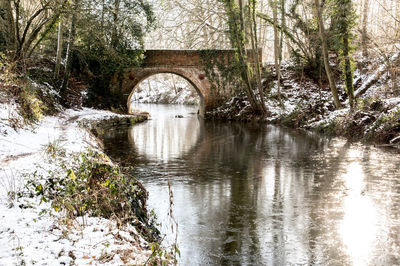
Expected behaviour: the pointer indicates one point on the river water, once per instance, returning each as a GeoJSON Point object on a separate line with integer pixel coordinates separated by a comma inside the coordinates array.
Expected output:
{"type": "Point", "coordinates": [248, 194]}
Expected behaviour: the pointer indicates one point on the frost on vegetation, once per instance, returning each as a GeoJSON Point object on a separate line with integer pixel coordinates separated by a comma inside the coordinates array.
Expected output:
{"type": "Point", "coordinates": [370, 83]}
{"type": "Point", "coordinates": [329, 120]}
{"type": "Point", "coordinates": [10, 120]}
{"type": "Point", "coordinates": [91, 185]}
{"type": "Point", "coordinates": [385, 123]}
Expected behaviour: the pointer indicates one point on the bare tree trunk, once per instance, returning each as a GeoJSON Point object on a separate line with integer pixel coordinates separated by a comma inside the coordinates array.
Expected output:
{"type": "Point", "coordinates": [173, 83]}
{"type": "Point", "coordinates": [364, 34]}
{"type": "Point", "coordinates": [10, 29]}
{"type": "Point", "coordinates": [256, 55]}
{"type": "Point", "coordinates": [28, 24]}
{"type": "Point", "coordinates": [237, 37]}
{"type": "Point", "coordinates": [243, 60]}
{"type": "Point", "coordinates": [397, 21]}
{"type": "Point", "coordinates": [114, 35]}
{"type": "Point", "coordinates": [150, 88]}
{"type": "Point", "coordinates": [393, 77]}
{"type": "Point", "coordinates": [59, 49]}
{"type": "Point", "coordinates": [283, 26]}
{"type": "Point", "coordinates": [276, 48]}
{"type": "Point", "coordinates": [71, 41]}
{"type": "Point", "coordinates": [348, 71]}
{"type": "Point", "coordinates": [328, 70]}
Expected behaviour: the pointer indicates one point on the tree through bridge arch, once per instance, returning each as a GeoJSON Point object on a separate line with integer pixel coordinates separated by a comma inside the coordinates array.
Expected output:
{"type": "Point", "coordinates": [189, 64]}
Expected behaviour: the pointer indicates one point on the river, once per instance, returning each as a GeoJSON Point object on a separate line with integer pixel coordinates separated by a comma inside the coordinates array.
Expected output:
{"type": "Point", "coordinates": [248, 194]}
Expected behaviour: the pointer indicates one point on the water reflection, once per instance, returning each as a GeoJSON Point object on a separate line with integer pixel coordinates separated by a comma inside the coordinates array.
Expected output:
{"type": "Point", "coordinates": [262, 195]}
{"type": "Point", "coordinates": [166, 136]}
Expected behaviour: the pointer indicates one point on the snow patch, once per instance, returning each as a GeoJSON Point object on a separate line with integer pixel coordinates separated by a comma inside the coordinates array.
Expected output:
{"type": "Point", "coordinates": [31, 235]}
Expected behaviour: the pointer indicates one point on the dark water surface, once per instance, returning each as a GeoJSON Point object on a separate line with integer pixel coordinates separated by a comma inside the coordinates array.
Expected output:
{"type": "Point", "coordinates": [264, 195]}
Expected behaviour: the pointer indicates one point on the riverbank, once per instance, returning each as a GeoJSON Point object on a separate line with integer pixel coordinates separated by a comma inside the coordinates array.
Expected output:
{"type": "Point", "coordinates": [257, 194]}
{"type": "Point", "coordinates": [305, 105]}
{"type": "Point", "coordinates": [33, 230]}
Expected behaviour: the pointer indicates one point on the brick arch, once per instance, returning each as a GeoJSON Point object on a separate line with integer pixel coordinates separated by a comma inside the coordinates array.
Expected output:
{"type": "Point", "coordinates": [188, 64]}
{"type": "Point", "coordinates": [193, 76]}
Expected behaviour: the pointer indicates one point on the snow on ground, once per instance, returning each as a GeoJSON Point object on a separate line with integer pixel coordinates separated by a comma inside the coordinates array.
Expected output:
{"type": "Point", "coordinates": [30, 235]}
{"type": "Point", "coordinates": [378, 106]}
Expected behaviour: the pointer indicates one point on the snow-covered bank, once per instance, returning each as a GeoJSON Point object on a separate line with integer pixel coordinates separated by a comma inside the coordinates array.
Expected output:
{"type": "Point", "coordinates": [32, 234]}
{"type": "Point", "coordinates": [306, 105]}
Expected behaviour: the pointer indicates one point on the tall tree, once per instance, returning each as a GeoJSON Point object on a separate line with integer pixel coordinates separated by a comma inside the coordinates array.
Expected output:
{"type": "Point", "coordinates": [277, 48]}
{"type": "Point", "coordinates": [283, 26]}
{"type": "Point", "coordinates": [301, 34]}
{"type": "Point", "coordinates": [364, 33]}
{"type": "Point", "coordinates": [344, 17]}
{"type": "Point", "coordinates": [59, 49]}
{"type": "Point", "coordinates": [70, 47]}
{"type": "Point", "coordinates": [237, 31]}
{"type": "Point", "coordinates": [325, 54]}
{"type": "Point", "coordinates": [8, 39]}
{"type": "Point", "coordinates": [113, 42]}
{"type": "Point", "coordinates": [27, 25]}
{"type": "Point", "coordinates": [255, 51]}
{"type": "Point", "coordinates": [115, 26]}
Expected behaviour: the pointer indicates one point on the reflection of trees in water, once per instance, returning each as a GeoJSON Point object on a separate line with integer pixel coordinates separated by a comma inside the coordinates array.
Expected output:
{"type": "Point", "coordinates": [240, 155]}
{"type": "Point", "coordinates": [299, 222]}
{"type": "Point", "coordinates": [117, 146]}
{"type": "Point", "coordinates": [287, 182]}
{"type": "Point", "coordinates": [166, 139]}
{"type": "Point", "coordinates": [267, 195]}
{"type": "Point", "coordinates": [325, 246]}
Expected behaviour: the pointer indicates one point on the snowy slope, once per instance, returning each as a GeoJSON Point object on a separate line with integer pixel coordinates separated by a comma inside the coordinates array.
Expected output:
{"type": "Point", "coordinates": [28, 234]}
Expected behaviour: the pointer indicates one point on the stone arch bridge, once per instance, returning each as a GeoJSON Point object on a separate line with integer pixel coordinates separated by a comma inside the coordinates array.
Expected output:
{"type": "Point", "coordinates": [185, 63]}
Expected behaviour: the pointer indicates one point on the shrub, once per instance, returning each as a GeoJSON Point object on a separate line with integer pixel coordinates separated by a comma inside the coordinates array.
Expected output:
{"type": "Point", "coordinates": [92, 185]}
{"type": "Point", "coordinates": [386, 127]}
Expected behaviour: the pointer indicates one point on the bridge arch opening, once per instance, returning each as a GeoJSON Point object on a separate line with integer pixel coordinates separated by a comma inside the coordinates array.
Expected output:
{"type": "Point", "coordinates": [174, 82]}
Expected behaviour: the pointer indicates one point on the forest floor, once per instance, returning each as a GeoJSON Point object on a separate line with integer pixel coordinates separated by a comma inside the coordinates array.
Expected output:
{"type": "Point", "coordinates": [305, 105]}
{"type": "Point", "coordinates": [34, 232]}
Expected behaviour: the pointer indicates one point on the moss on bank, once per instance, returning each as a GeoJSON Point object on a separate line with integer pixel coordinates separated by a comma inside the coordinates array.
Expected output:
{"type": "Point", "coordinates": [30, 90]}
{"type": "Point", "coordinates": [98, 127]}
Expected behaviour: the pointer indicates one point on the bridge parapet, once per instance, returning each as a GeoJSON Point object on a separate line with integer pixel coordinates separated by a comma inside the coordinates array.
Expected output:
{"type": "Point", "coordinates": [191, 58]}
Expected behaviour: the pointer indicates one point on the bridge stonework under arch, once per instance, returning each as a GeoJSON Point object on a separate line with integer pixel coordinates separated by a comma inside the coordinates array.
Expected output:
{"type": "Point", "coordinates": [185, 63]}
